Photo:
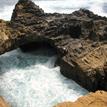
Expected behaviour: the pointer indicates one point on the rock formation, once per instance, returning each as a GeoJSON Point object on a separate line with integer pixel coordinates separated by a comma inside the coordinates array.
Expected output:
{"type": "Point", "coordinates": [3, 103]}
{"type": "Point", "coordinates": [80, 39]}
{"type": "Point", "coordinates": [98, 99]}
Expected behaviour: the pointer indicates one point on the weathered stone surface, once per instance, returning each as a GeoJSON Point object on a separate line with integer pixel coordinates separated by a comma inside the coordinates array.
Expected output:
{"type": "Point", "coordinates": [79, 39]}
{"type": "Point", "coordinates": [3, 103]}
{"type": "Point", "coordinates": [98, 99]}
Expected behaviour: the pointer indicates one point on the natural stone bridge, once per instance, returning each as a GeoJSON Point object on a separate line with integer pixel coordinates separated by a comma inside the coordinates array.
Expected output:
{"type": "Point", "coordinates": [80, 40]}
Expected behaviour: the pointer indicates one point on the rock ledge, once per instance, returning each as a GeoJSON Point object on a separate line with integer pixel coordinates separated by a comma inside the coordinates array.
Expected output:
{"type": "Point", "coordinates": [98, 99]}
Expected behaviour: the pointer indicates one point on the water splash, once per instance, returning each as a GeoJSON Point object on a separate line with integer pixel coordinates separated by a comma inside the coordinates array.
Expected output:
{"type": "Point", "coordinates": [31, 80]}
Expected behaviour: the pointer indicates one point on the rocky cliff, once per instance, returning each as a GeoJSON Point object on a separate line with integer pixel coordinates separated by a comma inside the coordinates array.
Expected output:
{"type": "Point", "coordinates": [97, 99]}
{"type": "Point", "coordinates": [79, 38]}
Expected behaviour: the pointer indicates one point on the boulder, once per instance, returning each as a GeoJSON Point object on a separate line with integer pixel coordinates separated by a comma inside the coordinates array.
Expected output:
{"type": "Point", "coordinates": [97, 99]}
{"type": "Point", "coordinates": [3, 103]}
{"type": "Point", "coordinates": [79, 38]}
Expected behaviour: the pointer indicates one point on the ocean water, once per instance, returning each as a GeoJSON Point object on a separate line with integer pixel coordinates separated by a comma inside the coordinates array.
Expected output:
{"type": "Point", "coordinates": [31, 80]}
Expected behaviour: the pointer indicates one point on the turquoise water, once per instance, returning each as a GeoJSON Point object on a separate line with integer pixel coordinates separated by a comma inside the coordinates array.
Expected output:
{"type": "Point", "coordinates": [31, 80]}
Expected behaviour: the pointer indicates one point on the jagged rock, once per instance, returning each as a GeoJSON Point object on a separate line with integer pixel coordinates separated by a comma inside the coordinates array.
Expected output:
{"type": "Point", "coordinates": [3, 103]}
{"type": "Point", "coordinates": [78, 38]}
{"type": "Point", "coordinates": [97, 99]}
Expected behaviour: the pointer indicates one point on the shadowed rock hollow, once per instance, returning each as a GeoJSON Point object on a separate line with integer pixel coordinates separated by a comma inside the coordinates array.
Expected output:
{"type": "Point", "coordinates": [78, 38]}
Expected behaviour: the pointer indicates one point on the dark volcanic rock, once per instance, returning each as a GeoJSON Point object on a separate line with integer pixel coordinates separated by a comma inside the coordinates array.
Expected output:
{"type": "Point", "coordinates": [80, 40]}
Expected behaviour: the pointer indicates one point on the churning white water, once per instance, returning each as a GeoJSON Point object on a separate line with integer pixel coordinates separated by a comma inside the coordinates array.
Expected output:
{"type": "Point", "coordinates": [31, 80]}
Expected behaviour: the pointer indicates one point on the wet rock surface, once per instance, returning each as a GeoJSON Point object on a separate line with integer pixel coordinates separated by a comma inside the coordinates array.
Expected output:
{"type": "Point", "coordinates": [80, 40]}
{"type": "Point", "coordinates": [97, 99]}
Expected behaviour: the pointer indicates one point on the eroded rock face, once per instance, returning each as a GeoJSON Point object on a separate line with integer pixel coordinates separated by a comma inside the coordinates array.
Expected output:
{"type": "Point", "coordinates": [98, 99]}
{"type": "Point", "coordinates": [3, 103]}
{"type": "Point", "coordinates": [79, 39]}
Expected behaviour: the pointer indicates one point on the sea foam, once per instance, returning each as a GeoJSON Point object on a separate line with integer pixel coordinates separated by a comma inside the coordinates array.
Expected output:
{"type": "Point", "coordinates": [31, 80]}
